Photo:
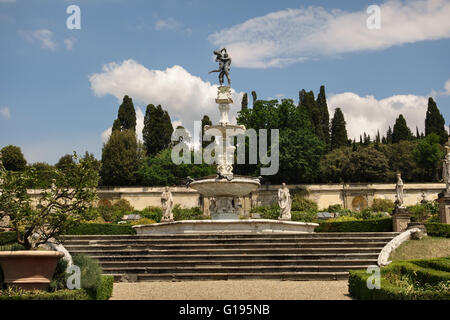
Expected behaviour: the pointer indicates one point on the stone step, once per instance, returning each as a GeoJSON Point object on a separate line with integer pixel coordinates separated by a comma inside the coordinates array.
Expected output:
{"type": "Point", "coordinates": [240, 257]}
{"type": "Point", "coordinates": [74, 242]}
{"type": "Point", "coordinates": [236, 263]}
{"type": "Point", "coordinates": [234, 235]}
{"type": "Point", "coordinates": [227, 246]}
{"type": "Point", "coordinates": [96, 251]}
{"type": "Point", "coordinates": [294, 276]}
{"type": "Point", "coordinates": [222, 269]}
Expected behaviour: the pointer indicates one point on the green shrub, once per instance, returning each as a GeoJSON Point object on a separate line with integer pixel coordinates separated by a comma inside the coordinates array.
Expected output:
{"type": "Point", "coordinates": [308, 216]}
{"type": "Point", "coordinates": [91, 273]}
{"type": "Point", "coordinates": [59, 280]}
{"type": "Point", "coordinates": [17, 294]}
{"type": "Point", "coordinates": [268, 212]}
{"type": "Point", "coordinates": [419, 212]}
{"type": "Point", "coordinates": [7, 237]}
{"type": "Point", "coordinates": [187, 213]}
{"type": "Point", "coordinates": [303, 204]}
{"type": "Point", "coordinates": [100, 229]}
{"type": "Point", "coordinates": [370, 225]}
{"type": "Point", "coordinates": [334, 208]}
{"type": "Point", "coordinates": [413, 280]}
{"type": "Point", "coordinates": [104, 292]}
{"type": "Point", "coordinates": [382, 205]}
{"type": "Point", "coordinates": [153, 213]}
{"type": "Point", "coordinates": [438, 229]}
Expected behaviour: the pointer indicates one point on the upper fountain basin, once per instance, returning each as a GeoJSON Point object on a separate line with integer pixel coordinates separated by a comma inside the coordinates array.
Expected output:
{"type": "Point", "coordinates": [238, 187]}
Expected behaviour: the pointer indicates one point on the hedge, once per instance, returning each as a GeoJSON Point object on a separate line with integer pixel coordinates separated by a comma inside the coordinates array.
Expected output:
{"type": "Point", "coordinates": [104, 292]}
{"type": "Point", "coordinates": [100, 229]}
{"type": "Point", "coordinates": [370, 225]}
{"type": "Point", "coordinates": [438, 229]}
{"type": "Point", "coordinates": [358, 289]}
{"type": "Point", "coordinates": [7, 238]}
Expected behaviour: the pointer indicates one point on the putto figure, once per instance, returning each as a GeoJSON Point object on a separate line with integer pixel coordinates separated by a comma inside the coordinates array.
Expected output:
{"type": "Point", "coordinates": [167, 205]}
{"type": "Point", "coordinates": [285, 202]}
{"type": "Point", "coordinates": [224, 65]}
{"type": "Point", "coordinates": [399, 191]}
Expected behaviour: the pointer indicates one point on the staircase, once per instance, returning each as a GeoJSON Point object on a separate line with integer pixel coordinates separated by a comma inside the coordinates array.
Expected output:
{"type": "Point", "coordinates": [313, 256]}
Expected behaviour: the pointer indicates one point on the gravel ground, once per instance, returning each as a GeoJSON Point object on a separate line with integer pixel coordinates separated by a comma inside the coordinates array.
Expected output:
{"type": "Point", "coordinates": [232, 290]}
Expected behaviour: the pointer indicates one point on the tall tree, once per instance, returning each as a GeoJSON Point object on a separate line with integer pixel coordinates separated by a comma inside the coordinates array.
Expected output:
{"type": "Point", "coordinates": [64, 162]}
{"type": "Point", "coordinates": [205, 122]}
{"type": "Point", "coordinates": [126, 118]}
{"type": "Point", "coordinates": [339, 136]}
{"type": "Point", "coordinates": [254, 97]}
{"type": "Point", "coordinates": [428, 154]}
{"type": "Point", "coordinates": [120, 159]}
{"type": "Point", "coordinates": [310, 105]}
{"type": "Point", "coordinates": [401, 131]}
{"type": "Point", "coordinates": [12, 158]}
{"type": "Point", "coordinates": [434, 122]}
{"type": "Point", "coordinates": [389, 135]}
{"type": "Point", "coordinates": [324, 115]}
{"type": "Point", "coordinates": [244, 103]}
{"type": "Point", "coordinates": [158, 129]}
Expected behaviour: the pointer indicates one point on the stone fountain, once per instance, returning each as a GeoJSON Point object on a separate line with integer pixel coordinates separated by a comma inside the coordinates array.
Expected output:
{"type": "Point", "coordinates": [225, 188]}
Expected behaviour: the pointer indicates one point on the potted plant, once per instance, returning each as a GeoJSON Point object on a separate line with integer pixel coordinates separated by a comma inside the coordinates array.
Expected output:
{"type": "Point", "coordinates": [40, 216]}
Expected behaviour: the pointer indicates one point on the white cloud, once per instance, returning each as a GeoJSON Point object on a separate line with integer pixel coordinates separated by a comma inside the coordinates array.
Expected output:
{"type": "Point", "coordinates": [292, 35]}
{"type": "Point", "coordinates": [4, 112]}
{"type": "Point", "coordinates": [447, 88]}
{"type": "Point", "coordinates": [44, 36]}
{"type": "Point", "coordinates": [167, 24]}
{"type": "Point", "coordinates": [367, 114]}
{"type": "Point", "coordinates": [69, 43]}
{"type": "Point", "coordinates": [186, 97]}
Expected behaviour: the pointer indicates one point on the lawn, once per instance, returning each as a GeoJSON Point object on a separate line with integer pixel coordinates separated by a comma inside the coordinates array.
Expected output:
{"type": "Point", "coordinates": [428, 247]}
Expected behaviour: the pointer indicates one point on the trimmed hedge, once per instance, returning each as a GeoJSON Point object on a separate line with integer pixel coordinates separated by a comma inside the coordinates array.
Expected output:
{"type": "Point", "coordinates": [438, 229]}
{"type": "Point", "coordinates": [370, 225]}
{"type": "Point", "coordinates": [413, 269]}
{"type": "Point", "coordinates": [7, 238]}
{"type": "Point", "coordinates": [100, 229]}
{"type": "Point", "coordinates": [104, 292]}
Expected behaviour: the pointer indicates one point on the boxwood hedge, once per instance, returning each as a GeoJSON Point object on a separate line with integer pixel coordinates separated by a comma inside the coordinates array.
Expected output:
{"type": "Point", "coordinates": [369, 225]}
{"type": "Point", "coordinates": [438, 229]}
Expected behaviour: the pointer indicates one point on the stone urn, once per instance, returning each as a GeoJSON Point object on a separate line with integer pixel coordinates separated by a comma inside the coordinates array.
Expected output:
{"type": "Point", "coordinates": [29, 270]}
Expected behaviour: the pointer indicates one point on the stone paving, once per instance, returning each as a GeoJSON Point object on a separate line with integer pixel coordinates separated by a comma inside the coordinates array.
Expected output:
{"type": "Point", "coordinates": [232, 290]}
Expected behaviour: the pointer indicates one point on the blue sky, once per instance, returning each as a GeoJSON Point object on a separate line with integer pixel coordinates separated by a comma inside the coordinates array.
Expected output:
{"type": "Point", "coordinates": [56, 95]}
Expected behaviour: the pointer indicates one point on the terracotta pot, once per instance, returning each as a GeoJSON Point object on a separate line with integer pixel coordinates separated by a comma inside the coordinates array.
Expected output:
{"type": "Point", "coordinates": [29, 270]}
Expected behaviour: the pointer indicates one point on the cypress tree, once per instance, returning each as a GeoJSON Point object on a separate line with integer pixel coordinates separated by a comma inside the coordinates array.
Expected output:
{"type": "Point", "coordinates": [377, 138]}
{"type": "Point", "coordinates": [244, 103]}
{"type": "Point", "coordinates": [314, 113]}
{"type": "Point", "coordinates": [417, 133]}
{"type": "Point", "coordinates": [157, 130]}
{"type": "Point", "coordinates": [434, 122]}
{"type": "Point", "coordinates": [389, 135]}
{"type": "Point", "coordinates": [301, 97]}
{"type": "Point", "coordinates": [339, 136]}
{"type": "Point", "coordinates": [324, 115]}
{"type": "Point", "coordinates": [126, 116]}
{"type": "Point", "coordinates": [205, 121]}
{"type": "Point", "coordinates": [116, 125]}
{"type": "Point", "coordinates": [401, 131]}
{"type": "Point", "coordinates": [254, 97]}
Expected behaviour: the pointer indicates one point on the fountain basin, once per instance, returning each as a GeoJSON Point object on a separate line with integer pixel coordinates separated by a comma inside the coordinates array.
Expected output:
{"type": "Point", "coordinates": [238, 187]}
{"type": "Point", "coordinates": [226, 227]}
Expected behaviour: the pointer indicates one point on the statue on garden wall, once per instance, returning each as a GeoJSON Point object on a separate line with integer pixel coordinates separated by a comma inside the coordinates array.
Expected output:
{"type": "Point", "coordinates": [285, 202]}
{"type": "Point", "coordinates": [446, 169]}
{"type": "Point", "coordinates": [399, 191]}
{"type": "Point", "coordinates": [167, 205]}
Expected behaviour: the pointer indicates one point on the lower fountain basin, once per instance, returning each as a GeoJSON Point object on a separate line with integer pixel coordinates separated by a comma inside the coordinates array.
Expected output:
{"type": "Point", "coordinates": [225, 227]}
{"type": "Point", "coordinates": [237, 187]}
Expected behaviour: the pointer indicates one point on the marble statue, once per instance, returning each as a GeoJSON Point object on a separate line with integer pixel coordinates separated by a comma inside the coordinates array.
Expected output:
{"type": "Point", "coordinates": [285, 202]}
{"type": "Point", "coordinates": [224, 65]}
{"type": "Point", "coordinates": [446, 169]}
{"type": "Point", "coordinates": [399, 191]}
{"type": "Point", "coordinates": [167, 205]}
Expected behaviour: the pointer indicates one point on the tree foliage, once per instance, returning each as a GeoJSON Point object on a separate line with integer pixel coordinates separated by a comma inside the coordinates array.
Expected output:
{"type": "Point", "coordinates": [401, 131]}
{"type": "Point", "coordinates": [434, 122]}
{"type": "Point", "coordinates": [126, 118]}
{"type": "Point", "coordinates": [339, 136]}
{"type": "Point", "coordinates": [12, 158]}
{"type": "Point", "coordinates": [67, 201]}
{"type": "Point", "coordinates": [428, 154]}
{"type": "Point", "coordinates": [121, 158]}
{"type": "Point", "coordinates": [157, 130]}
